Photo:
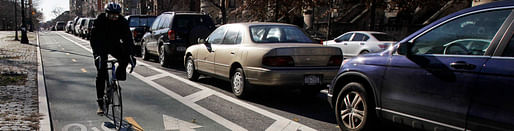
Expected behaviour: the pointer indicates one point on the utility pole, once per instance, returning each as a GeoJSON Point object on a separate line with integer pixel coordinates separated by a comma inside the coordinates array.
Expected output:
{"type": "Point", "coordinates": [31, 24]}
{"type": "Point", "coordinates": [372, 15]}
{"type": "Point", "coordinates": [15, 20]}
{"type": "Point", "coordinates": [330, 3]}
{"type": "Point", "coordinates": [24, 39]}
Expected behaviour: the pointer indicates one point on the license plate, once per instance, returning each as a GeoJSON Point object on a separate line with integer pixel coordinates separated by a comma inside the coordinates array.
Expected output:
{"type": "Point", "coordinates": [312, 80]}
{"type": "Point", "coordinates": [181, 48]}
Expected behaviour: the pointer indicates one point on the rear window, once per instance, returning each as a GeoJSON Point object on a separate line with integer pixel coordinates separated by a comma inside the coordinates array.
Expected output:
{"type": "Point", "coordinates": [383, 37]}
{"type": "Point", "coordinates": [190, 21]}
{"type": "Point", "coordinates": [141, 21]}
{"type": "Point", "coordinates": [278, 34]}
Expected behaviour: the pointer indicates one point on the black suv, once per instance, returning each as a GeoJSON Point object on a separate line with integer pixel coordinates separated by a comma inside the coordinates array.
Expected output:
{"type": "Point", "coordinates": [172, 32]}
{"type": "Point", "coordinates": [139, 24]}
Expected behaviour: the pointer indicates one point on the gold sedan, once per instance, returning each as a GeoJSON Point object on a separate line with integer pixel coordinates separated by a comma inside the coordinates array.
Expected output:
{"type": "Point", "coordinates": [263, 54]}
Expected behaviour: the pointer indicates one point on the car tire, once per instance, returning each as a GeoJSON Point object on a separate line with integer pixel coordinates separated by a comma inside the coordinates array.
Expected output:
{"type": "Point", "coordinates": [164, 59]}
{"type": "Point", "coordinates": [354, 109]}
{"type": "Point", "coordinates": [144, 53]}
{"type": "Point", "coordinates": [192, 74]}
{"type": "Point", "coordinates": [364, 52]}
{"type": "Point", "coordinates": [240, 86]}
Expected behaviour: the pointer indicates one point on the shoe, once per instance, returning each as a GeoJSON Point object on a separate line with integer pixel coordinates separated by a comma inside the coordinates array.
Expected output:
{"type": "Point", "coordinates": [100, 111]}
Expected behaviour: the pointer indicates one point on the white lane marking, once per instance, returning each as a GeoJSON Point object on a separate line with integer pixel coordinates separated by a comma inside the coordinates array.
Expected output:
{"type": "Point", "coordinates": [44, 122]}
{"type": "Point", "coordinates": [172, 123]}
{"type": "Point", "coordinates": [153, 77]}
{"type": "Point", "coordinates": [199, 95]}
{"type": "Point", "coordinates": [75, 43]}
{"type": "Point", "coordinates": [80, 126]}
{"type": "Point", "coordinates": [275, 126]}
{"type": "Point", "coordinates": [213, 116]}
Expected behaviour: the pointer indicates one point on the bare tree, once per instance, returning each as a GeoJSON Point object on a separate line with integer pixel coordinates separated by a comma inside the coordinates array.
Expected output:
{"type": "Point", "coordinates": [57, 11]}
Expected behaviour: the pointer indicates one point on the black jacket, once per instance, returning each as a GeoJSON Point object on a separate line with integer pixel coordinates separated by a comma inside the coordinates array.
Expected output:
{"type": "Point", "coordinates": [108, 36]}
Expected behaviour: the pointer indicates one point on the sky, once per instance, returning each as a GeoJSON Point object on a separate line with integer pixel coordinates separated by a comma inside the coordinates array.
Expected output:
{"type": "Point", "coordinates": [46, 6]}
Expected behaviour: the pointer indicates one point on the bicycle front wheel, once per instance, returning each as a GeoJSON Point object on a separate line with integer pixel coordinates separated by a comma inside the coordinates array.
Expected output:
{"type": "Point", "coordinates": [117, 110]}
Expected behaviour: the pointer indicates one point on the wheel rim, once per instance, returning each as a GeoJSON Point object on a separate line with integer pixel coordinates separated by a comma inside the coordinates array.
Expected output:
{"type": "Point", "coordinates": [353, 110]}
{"type": "Point", "coordinates": [161, 55]}
{"type": "Point", "coordinates": [237, 81]}
{"type": "Point", "coordinates": [143, 51]}
{"type": "Point", "coordinates": [190, 68]}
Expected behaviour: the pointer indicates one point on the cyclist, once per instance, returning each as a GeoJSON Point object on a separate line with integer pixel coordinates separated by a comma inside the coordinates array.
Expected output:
{"type": "Point", "coordinates": [111, 35]}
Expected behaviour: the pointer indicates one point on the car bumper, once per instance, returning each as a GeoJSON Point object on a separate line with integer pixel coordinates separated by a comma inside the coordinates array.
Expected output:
{"type": "Point", "coordinates": [294, 77]}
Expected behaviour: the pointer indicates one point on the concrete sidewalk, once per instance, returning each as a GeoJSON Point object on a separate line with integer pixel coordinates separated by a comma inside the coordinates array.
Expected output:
{"type": "Point", "coordinates": [18, 83]}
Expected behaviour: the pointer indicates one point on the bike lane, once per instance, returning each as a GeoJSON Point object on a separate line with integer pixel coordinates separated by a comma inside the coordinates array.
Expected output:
{"type": "Point", "coordinates": [70, 73]}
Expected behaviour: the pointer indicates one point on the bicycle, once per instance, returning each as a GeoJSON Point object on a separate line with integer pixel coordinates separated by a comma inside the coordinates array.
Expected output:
{"type": "Point", "coordinates": [112, 96]}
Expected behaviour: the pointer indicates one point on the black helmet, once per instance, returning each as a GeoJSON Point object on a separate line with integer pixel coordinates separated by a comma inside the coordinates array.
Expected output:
{"type": "Point", "coordinates": [112, 8]}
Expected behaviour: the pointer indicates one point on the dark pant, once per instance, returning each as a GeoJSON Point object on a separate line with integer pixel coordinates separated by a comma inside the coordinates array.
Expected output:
{"type": "Point", "coordinates": [102, 72]}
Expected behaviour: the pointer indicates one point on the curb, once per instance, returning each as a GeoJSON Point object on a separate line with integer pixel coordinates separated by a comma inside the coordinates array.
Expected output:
{"type": "Point", "coordinates": [44, 122]}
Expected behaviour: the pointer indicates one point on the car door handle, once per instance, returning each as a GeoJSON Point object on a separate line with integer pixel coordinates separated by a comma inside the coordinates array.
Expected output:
{"type": "Point", "coordinates": [362, 43]}
{"type": "Point", "coordinates": [462, 65]}
{"type": "Point", "coordinates": [345, 43]}
{"type": "Point", "coordinates": [232, 52]}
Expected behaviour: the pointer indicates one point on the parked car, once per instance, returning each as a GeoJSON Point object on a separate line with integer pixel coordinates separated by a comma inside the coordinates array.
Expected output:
{"type": "Point", "coordinates": [139, 25]}
{"type": "Point", "coordinates": [454, 74]}
{"type": "Point", "coordinates": [79, 25]}
{"type": "Point", "coordinates": [361, 42]}
{"type": "Point", "coordinates": [263, 54]}
{"type": "Point", "coordinates": [59, 25]}
{"type": "Point", "coordinates": [172, 32]}
{"type": "Point", "coordinates": [75, 22]}
{"type": "Point", "coordinates": [68, 26]}
{"type": "Point", "coordinates": [86, 29]}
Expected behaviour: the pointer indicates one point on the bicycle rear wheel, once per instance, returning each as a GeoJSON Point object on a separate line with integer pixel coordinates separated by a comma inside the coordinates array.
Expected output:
{"type": "Point", "coordinates": [117, 109]}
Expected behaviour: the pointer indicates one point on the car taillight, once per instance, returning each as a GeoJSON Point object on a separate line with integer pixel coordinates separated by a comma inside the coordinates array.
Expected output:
{"type": "Point", "coordinates": [279, 61]}
{"type": "Point", "coordinates": [171, 35]}
{"type": "Point", "coordinates": [134, 33]}
{"type": "Point", "coordinates": [335, 60]}
{"type": "Point", "coordinates": [384, 46]}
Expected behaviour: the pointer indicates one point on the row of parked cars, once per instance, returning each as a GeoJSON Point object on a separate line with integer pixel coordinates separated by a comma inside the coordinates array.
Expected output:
{"type": "Point", "coordinates": [453, 74]}
{"type": "Point", "coordinates": [80, 27]}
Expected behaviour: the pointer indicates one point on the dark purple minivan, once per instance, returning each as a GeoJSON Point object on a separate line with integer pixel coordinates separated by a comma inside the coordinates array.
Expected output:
{"type": "Point", "coordinates": [455, 74]}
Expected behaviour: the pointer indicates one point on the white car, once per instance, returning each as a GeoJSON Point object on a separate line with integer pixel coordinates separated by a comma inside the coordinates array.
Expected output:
{"type": "Point", "coordinates": [355, 43]}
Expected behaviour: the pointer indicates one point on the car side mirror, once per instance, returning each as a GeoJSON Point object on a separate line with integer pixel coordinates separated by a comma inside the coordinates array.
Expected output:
{"type": "Point", "coordinates": [405, 48]}
{"type": "Point", "coordinates": [337, 40]}
{"type": "Point", "coordinates": [202, 41]}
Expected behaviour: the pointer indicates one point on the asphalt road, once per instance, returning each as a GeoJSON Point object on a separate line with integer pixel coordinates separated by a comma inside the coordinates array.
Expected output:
{"type": "Point", "coordinates": [158, 98]}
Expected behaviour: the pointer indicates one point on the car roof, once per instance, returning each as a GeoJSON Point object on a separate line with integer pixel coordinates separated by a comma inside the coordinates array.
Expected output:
{"type": "Point", "coordinates": [183, 13]}
{"type": "Point", "coordinates": [498, 4]}
{"type": "Point", "coordinates": [259, 23]}
{"type": "Point", "coordinates": [366, 32]}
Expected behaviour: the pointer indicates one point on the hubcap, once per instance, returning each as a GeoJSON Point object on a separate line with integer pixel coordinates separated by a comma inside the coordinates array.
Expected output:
{"type": "Point", "coordinates": [161, 55]}
{"type": "Point", "coordinates": [189, 68]}
{"type": "Point", "coordinates": [353, 110]}
{"type": "Point", "coordinates": [237, 82]}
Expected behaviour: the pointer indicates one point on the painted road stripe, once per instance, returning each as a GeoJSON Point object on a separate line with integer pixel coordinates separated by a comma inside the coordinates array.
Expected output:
{"type": "Point", "coordinates": [153, 77]}
{"type": "Point", "coordinates": [83, 70]}
{"type": "Point", "coordinates": [281, 123]}
{"type": "Point", "coordinates": [44, 122]}
{"type": "Point", "coordinates": [135, 125]}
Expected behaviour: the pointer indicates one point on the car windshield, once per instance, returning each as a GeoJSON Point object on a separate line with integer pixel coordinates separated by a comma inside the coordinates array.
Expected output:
{"type": "Point", "coordinates": [383, 37]}
{"type": "Point", "coordinates": [141, 21]}
{"type": "Point", "coordinates": [278, 34]}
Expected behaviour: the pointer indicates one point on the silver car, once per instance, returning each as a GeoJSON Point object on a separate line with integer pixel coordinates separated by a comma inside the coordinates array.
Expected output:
{"type": "Point", "coordinates": [263, 54]}
{"type": "Point", "coordinates": [361, 42]}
